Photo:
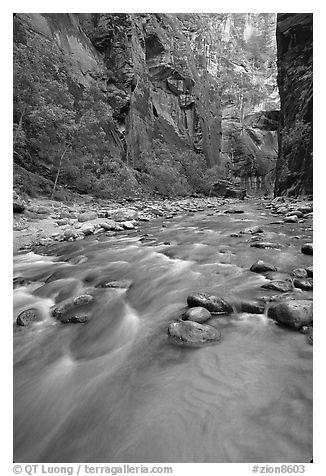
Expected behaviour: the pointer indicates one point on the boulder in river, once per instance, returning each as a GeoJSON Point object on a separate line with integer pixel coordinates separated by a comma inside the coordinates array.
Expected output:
{"type": "Point", "coordinates": [60, 311]}
{"type": "Point", "coordinates": [307, 249]}
{"type": "Point", "coordinates": [213, 304]}
{"type": "Point", "coordinates": [300, 273]}
{"type": "Point", "coordinates": [310, 271]}
{"type": "Point", "coordinates": [304, 284]}
{"type": "Point", "coordinates": [291, 219]}
{"type": "Point", "coordinates": [193, 334]}
{"type": "Point", "coordinates": [197, 314]}
{"type": "Point", "coordinates": [292, 313]}
{"type": "Point", "coordinates": [282, 286]}
{"type": "Point", "coordinates": [261, 267]}
{"type": "Point", "coordinates": [28, 316]}
{"type": "Point", "coordinates": [250, 307]}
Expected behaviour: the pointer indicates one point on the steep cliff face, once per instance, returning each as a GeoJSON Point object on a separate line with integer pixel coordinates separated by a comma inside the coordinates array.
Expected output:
{"type": "Point", "coordinates": [152, 71]}
{"type": "Point", "coordinates": [144, 65]}
{"type": "Point", "coordinates": [294, 52]}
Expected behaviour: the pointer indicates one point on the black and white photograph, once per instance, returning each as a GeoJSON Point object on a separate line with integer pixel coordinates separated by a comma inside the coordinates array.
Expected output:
{"type": "Point", "coordinates": [162, 240]}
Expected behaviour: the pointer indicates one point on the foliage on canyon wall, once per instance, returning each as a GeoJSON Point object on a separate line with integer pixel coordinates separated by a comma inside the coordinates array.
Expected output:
{"type": "Point", "coordinates": [130, 103]}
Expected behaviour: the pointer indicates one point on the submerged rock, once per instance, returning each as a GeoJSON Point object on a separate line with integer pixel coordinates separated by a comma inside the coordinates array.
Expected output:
{"type": "Point", "coordinates": [293, 313]}
{"type": "Point", "coordinates": [282, 286]}
{"type": "Point", "coordinates": [213, 304]}
{"type": "Point", "coordinates": [261, 267]}
{"type": "Point", "coordinates": [197, 314]}
{"type": "Point", "coordinates": [193, 334]}
{"type": "Point", "coordinates": [28, 316]}
{"type": "Point", "coordinates": [75, 319]}
{"type": "Point", "coordinates": [123, 284]}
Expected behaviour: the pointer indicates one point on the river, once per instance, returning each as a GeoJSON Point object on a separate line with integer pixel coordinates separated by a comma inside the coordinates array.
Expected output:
{"type": "Point", "coordinates": [116, 390]}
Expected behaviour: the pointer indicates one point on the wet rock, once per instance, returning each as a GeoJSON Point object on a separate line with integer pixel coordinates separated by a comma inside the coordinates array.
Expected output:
{"type": "Point", "coordinates": [261, 267]}
{"type": "Point", "coordinates": [20, 281]}
{"type": "Point", "coordinates": [300, 273]}
{"type": "Point", "coordinates": [86, 216]}
{"type": "Point", "coordinates": [28, 316]}
{"type": "Point", "coordinates": [60, 311]}
{"type": "Point", "coordinates": [294, 314]}
{"type": "Point", "coordinates": [265, 244]}
{"type": "Point", "coordinates": [253, 230]}
{"type": "Point", "coordinates": [234, 210]}
{"type": "Point", "coordinates": [310, 271]}
{"type": "Point", "coordinates": [88, 229]}
{"type": "Point", "coordinates": [304, 284]}
{"type": "Point", "coordinates": [75, 319]}
{"type": "Point", "coordinates": [297, 213]}
{"type": "Point", "coordinates": [250, 307]}
{"type": "Point", "coordinates": [61, 222]}
{"type": "Point", "coordinates": [291, 219]}
{"type": "Point", "coordinates": [282, 286]}
{"type": "Point", "coordinates": [193, 334]}
{"type": "Point", "coordinates": [197, 314]}
{"type": "Point", "coordinates": [123, 284]}
{"type": "Point", "coordinates": [128, 225]}
{"type": "Point", "coordinates": [71, 233]}
{"type": "Point", "coordinates": [306, 330]}
{"type": "Point", "coordinates": [213, 304]}
{"type": "Point", "coordinates": [110, 225]}
{"type": "Point", "coordinates": [82, 299]}
{"type": "Point", "coordinates": [307, 249]}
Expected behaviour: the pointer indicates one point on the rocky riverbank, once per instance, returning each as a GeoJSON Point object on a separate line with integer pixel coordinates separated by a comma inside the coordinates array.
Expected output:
{"type": "Point", "coordinates": [39, 223]}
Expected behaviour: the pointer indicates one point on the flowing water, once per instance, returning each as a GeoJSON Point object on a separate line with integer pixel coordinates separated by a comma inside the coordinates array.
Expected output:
{"type": "Point", "coordinates": [116, 390]}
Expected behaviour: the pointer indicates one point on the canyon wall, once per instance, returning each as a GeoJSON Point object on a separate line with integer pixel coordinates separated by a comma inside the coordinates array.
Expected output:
{"type": "Point", "coordinates": [295, 73]}
{"type": "Point", "coordinates": [146, 68]}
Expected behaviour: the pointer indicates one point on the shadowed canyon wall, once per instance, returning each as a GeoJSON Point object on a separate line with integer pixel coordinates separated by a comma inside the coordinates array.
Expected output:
{"type": "Point", "coordinates": [294, 52]}
{"type": "Point", "coordinates": [146, 68]}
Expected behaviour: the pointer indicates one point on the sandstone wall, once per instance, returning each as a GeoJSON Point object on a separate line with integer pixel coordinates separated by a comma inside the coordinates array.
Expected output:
{"type": "Point", "coordinates": [294, 52]}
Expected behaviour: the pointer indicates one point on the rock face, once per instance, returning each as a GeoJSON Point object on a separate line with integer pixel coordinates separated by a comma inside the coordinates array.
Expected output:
{"type": "Point", "coordinates": [294, 53]}
{"type": "Point", "coordinates": [226, 189]}
{"type": "Point", "coordinates": [148, 71]}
